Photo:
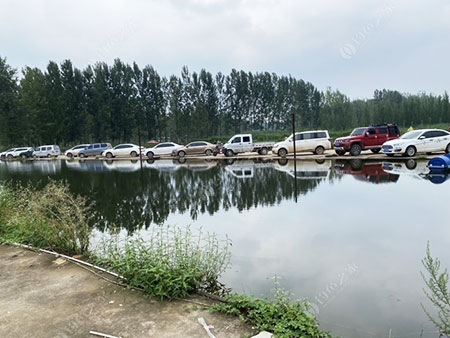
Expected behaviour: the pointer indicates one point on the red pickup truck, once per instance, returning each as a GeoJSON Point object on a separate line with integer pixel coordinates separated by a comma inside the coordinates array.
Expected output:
{"type": "Point", "coordinates": [366, 138]}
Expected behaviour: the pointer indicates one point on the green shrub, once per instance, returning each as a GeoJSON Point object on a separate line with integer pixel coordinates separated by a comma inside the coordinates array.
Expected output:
{"type": "Point", "coordinates": [173, 262]}
{"type": "Point", "coordinates": [438, 292]}
{"type": "Point", "coordinates": [51, 218]}
{"type": "Point", "coordinates": [283, 317]}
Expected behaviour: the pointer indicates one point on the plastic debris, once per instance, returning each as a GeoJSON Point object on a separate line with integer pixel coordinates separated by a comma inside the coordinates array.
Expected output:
{"type": "Point", "coordinates": [207, 328]}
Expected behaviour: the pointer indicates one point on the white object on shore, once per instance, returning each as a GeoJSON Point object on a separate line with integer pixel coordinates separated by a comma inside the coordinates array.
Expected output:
{"type": "Point", "coordinates": [201, 320]}
{"type": "Point", "coordinates": [263, 334]}
{"type": "Point", "coordinates": [104, 335]}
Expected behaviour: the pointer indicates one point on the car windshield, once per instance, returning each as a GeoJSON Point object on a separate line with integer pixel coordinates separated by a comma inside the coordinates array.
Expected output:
{"type": "Point", "coordinates": [411, 135]}
{"type": "Point", "coordinates": [358, 132]}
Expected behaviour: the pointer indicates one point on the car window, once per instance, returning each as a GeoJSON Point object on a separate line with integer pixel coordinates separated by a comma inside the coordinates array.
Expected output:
{"type": "Point", "coordinates": [236, 140]}
{"type": "Point", "coordinates": [298, 137]}
{"type": "Point", "coordinates": [382, 130]}
{"type": "Point", "coordinates": [96, 146]}
{"type": "Point", "coordinates": [428, 134]}
{"type": "Point", "coordinates": [246, 139]}
{"type": "Point", "coordinates": [91, 146]}
{"type": "Point", "coordinates": [79, 147]}
{"type": "Point", "coordinates": [358, 132]}
{"type": "Point", "coordinates": [104, 145]}
{"type": "Point", "coordinates": [320, 134]}
{"type": "Point", "coordinates": [308, 136]}
{"type": "Point", "coordinates": [371, 131]}
{"type": "Point", "coordinates": [393, 130]}
{"type": "Point", "coordinates": [440, 133]}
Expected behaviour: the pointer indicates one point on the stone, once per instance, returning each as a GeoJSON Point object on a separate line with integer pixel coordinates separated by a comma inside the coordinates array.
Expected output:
{"type": "Point", "coordinates": [263, 334]}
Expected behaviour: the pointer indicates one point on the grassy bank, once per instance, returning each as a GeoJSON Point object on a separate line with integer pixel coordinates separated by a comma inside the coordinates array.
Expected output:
{"type": "Point", "coordinates": [174, 262]}
{"type": "Point", "coordinates": [51, 218]}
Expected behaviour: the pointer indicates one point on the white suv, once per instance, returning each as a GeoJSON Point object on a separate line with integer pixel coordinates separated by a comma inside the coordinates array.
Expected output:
{"type": "Point", "coordinates": [316, 141]}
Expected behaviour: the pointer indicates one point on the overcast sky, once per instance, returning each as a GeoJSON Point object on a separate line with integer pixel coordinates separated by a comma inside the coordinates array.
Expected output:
{"type": "Point", "coordinates": [351, 45]}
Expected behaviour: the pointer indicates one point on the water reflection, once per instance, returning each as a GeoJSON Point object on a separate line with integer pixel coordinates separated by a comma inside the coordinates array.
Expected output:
{"type": "Point", "coordinates": [124, 200]}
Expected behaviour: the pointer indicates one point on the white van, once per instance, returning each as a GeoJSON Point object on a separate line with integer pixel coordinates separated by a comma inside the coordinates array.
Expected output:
{"type": "Point", "coordinates": [316, 141]}
{"type": "Point", "coordinates": [47, 151]}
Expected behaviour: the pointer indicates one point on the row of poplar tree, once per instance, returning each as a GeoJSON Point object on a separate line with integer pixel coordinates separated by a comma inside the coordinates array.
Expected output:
{"type": "Point", "coordinates": [66, 105]}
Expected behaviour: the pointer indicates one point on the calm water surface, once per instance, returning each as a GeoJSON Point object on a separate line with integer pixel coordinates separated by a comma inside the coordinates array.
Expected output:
{"type": "Point", "coordinates": [349, 236]}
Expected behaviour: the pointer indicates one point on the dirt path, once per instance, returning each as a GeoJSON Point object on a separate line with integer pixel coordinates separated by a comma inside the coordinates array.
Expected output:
{"type": "Point", "coordinates": [39, 298]}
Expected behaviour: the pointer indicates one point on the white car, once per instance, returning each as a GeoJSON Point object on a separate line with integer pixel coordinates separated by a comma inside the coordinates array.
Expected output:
{"type": "Point", "coordinates": [72, 152]}
{"type": "Point", "coordinates": [3, 154]}
{"type": "Point", "coordinates": [418, 141]}
{"type": "Point", "coordinates": [125, 150]}
{"type": "Point", "coordinates": [165, 148]}
{"type": "Point", "coordinates": [12, 153]}
{"type": "Point", "coordinates": [316, 141]}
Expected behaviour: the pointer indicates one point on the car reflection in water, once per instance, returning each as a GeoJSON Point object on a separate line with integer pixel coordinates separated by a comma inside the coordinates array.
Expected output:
{"type": "Point", "coordinates": [45, 167]}
{"type": "Point", "coordinates": [371, 172]}
{"type": "Point", "coordinates": [245, 169]}
{"type": "Point", "coordinates": [197, 164]}
{"type": "Point", "coordinates": [124, 166]}
{"type": "Point", "coordinates": [86, 165]}
{"type": "Point", "coordinates": [305, 170]}
{"type": "Point", "coordinates": [415, 169]}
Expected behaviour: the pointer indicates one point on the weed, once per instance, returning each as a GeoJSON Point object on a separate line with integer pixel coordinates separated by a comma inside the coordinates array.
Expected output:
{"type": "Point", "coordinates": [51, 218]}
{"type": "Point", "coordinates": [172, 263]}
{"type": "Point", "coordinates": [284, 317]}
{"type": "Point", "coordinates": [439, 293]}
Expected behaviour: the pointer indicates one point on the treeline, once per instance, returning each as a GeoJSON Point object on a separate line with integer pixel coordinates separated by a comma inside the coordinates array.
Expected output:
{"type": "Point", "coordinates": [67, 105]}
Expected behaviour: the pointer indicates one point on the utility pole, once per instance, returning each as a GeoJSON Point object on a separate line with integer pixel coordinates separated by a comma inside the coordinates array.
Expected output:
{"type": "Point", "coordinates": [140, 153]}
{"type": "Point", "coordinates": [295, 157]}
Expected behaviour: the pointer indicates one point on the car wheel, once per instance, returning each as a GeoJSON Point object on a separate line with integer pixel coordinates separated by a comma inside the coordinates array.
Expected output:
{"type": "Point", "coordinates": [282, 152]}
{"type": "Point", "coordinates": [69, 155]}
{"type": "Point", "coordinates": [356, 165]}
{"type": "Point", "coordinates": [263, 151]}
{"type": "Point", "coordinates": [82, 155]}
{"type": "Point", "coordinates": [319, 150]}
{"type": "Point", "coordinates": [340, 152]}
{"type": "Point", "coordinates": [133, 154]}
{"type": "Point", "coordinates": [447, 150]}
{"type": "Point", "coordinates": [150, 154]}
{"type": "Point", "coordinates": [10, 156]}
{"type": "Point", "coordinates": [181, 153]}
{"type": "Point", "coordinates": [375, 151]}
{"type": "Point", "coordinates": [411, 164]}
{"type": "Point", "coordinates": [109, 155]}
{"type": "Point", "coordinates": [355, 150]}
{"type": "Point", "coordinates": [229, 153]}
{"type": "Point", "coordinates": [410, 151]}
{"type": "Point", "coordinates": [208, 152]}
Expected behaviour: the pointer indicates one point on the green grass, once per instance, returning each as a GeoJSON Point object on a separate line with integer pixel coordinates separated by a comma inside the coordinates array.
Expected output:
{"type": "Point", "coordinates": [173, 263]}
{"type": "Point", "coordinates": [51, 218]}
{"type": "Point", "coordinates": [283, 317]}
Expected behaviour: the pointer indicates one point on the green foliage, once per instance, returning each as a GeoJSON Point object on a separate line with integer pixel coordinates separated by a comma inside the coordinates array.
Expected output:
{"type": "Point", "coordinates": [283, 317]}
{"type": "Point", "coordinates": [66, 105]}
{"type": "Point", "coordinates": [51, 218]}
{"type": "Point", "coordinates": [438, 292]}
{"type": "Point", "coordinates": [172, 263]}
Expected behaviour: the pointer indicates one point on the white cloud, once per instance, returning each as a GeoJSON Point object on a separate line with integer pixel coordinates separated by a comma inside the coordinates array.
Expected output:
{"type": "Point", "coordinates": [397, 44]}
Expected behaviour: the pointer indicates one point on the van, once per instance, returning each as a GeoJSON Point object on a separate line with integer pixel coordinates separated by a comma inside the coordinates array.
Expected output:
{"type": "Point", "coordinates": [47, 151]}
{"type": "Point", "coordinates": [316, 141]}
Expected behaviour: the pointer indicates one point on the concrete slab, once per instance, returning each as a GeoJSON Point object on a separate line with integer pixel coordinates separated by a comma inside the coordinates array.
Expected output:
{"type": "Point", "coordinates": [40, 299]}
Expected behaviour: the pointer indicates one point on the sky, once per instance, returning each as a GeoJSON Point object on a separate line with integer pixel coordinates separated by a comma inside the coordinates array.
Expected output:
{"type": "Point", "coordinates": [350, 45]}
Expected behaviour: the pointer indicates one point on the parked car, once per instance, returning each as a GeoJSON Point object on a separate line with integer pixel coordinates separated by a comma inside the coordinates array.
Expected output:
{"type": "Point", "coordinates": [27, 153]}
{"type": "Point", "coordinates": [47, 151]}
{"type": "Point", "coordinates": [94, 149]}
{"type": "Point", "coordinates": [196, 148]}
{"type": "Point", "coordinates": [243, 143]}
{"type": "Point", "coordinates": [316, 141]}
{"type": "Point", "coordinates": [165, 148]}
{"type": "Point", "coordinates": [74, 151]}
{"type": "Point", "coordinates": [366, 138]}
{"type": "Point", "coordinates": [3, 154]}
{"type": "Point", "coordinates": [127, 149]}
{"type": "Point", "coordinates": [419, 141]}
{"type": "Point", "coordinates": [16, 152]}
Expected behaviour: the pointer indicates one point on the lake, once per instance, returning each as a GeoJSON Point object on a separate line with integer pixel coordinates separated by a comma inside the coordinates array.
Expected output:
{"type": "Point", "coordinates": [347, 235]}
